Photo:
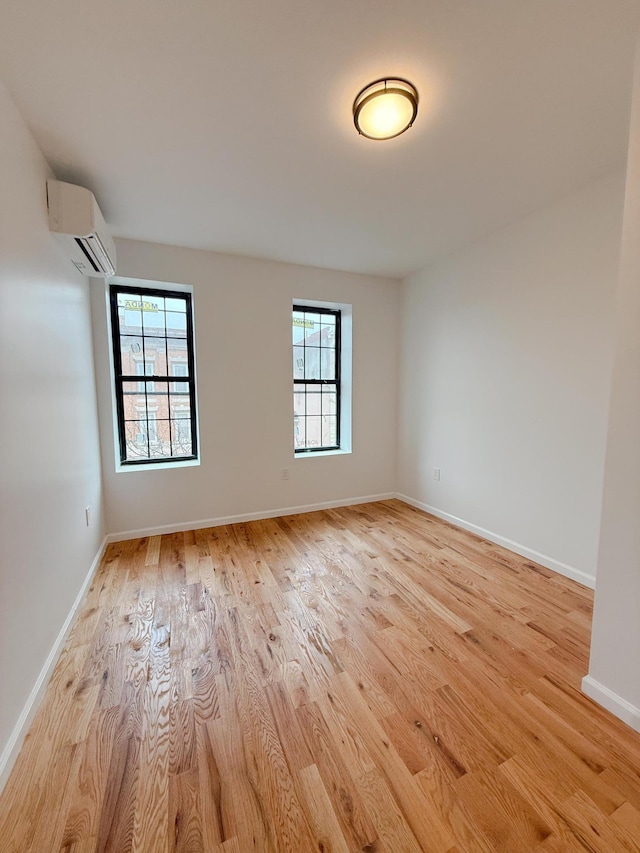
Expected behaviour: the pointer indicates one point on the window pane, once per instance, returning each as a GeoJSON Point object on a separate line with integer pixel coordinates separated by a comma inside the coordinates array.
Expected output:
{"type": "Point", "coordinates": [127, 300]}
{"type": "Point", "coordinates": [328, 335]}
{"type": "Point", "coordinates": [155, 354]}
{"type": "Point", "coordinates": [130, 353]}
{"type": "Point", "coordinates": [298, 326]}
{"type": "Point", "coordinates": [312, 329]}
{"type": "Point", "coordinates": [299, 431]}
{"type": "Point", "coordinates": [312, 362]}
{"type": "Point", "coordinates": [180, 406]}
{"type": "Point", "coordinates": [329, 431]}
{"type": "Point", "coordinates": [314, 431]}
{"type": "Point", "coordinates": [130, 313]}
{"type": "Point", "coordinates": [172, 304]}
{"type": "Point", "coordinates": [314, 397]}
{"type": "Point", "coordinates": [327, 363]}
{"type": "Point", "coordinates": [153, 315]}
{"type": "Point", "coordinates": [158, 399]}
{"type": "Point", "coordinates": [133, 402]}
{"type": "Point", "coordinates": [176, 324]}
{"type": "Point", "coordinates": [298, 362]}
{"type": "Point", "coordinates": [299, 400]}
{"type": "Point", "coordinates": [181, 437]}
{"type": "Point", "coordinates": [136, 440]}
{"type": "Point", "coordinates": [329, 400]}
{"type": "Point", "coordinates": [177, 349]}
{"type": "Point", "coordinates": [159, 443]}
{"type": "Point", "coordinates": [152, 304]}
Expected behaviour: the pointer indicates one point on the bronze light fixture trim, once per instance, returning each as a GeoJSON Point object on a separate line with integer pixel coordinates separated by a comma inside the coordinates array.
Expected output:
{"type": "Point", "coordinates": [385, 108]}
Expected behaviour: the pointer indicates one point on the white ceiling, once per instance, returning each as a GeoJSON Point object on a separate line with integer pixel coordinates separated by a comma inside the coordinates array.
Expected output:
{"type": "Point", "coordinates": [226, 124]}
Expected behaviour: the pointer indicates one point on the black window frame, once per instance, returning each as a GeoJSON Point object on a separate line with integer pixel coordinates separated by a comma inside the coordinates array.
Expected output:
{"type": "Point", "coordinates": [120, 378]}
{"type": "Point", "coordinates": [337, 313]}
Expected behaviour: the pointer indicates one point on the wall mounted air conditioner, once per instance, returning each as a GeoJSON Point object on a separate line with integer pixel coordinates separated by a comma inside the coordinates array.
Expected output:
{"type": "Point", "coordinates": [76, 221]}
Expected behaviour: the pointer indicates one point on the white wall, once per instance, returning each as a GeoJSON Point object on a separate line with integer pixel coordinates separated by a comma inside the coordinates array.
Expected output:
{"type": "Point", "coordinates": [614, 670]}
{"type": "Point", "coordinates": [506, 359]}
{"type": "Point", "coordinates": [49, 456]}
{"type": "Point", "coordinates": [243, 353]}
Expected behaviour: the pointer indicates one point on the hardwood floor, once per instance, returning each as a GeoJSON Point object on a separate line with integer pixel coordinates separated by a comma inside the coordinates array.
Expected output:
{"type": "Point", "coordinates": [360, 679]}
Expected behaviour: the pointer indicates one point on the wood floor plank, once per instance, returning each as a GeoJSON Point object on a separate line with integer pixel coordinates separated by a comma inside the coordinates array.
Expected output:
{"type": "Point", "coordinates": [185, 814]}
{"type": "Point", "coordinates": [505, 817]}
{"type": "Point", "coordinates": [391, 826]}
{"type": "Point", "coordinates": [322, 817]}
{"type": "Point", "coordinates": [48, 819]}
{"type": "Point", "coordinates": [245, 816]}
{"type": "Point", "coordinates": [363, 679]}
{"type": "Point", "coordinates": [210, 788]}
{"type": "Point", "coordinates": [83, 818]}
{"type": "Point", "coordinates": [355, 822]}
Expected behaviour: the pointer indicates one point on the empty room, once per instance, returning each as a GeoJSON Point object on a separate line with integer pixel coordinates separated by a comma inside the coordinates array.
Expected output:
{"type": "Point", "coordinates": [320, 405]}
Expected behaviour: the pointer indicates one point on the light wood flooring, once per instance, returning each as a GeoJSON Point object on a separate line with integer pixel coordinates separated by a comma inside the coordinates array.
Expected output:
{"type": "Point", "coordinates": [360, 679]}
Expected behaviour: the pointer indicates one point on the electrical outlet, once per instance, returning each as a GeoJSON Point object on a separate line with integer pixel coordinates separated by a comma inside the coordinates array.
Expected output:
{"type": "Point", "coordinates": [436, 473]}
{"type": "Point", "coordinates": [87, 514]}
{"type": "Point", "coordinates": [285, 473]}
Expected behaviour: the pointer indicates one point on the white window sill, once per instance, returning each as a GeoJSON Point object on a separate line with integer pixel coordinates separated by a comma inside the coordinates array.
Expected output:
{"type": "Point", "coordinates": [315, 453]}
{"type": "Point", "coordinates": [156, 466]}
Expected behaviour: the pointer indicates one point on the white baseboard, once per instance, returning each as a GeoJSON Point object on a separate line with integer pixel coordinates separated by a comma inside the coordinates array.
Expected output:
{"type": "Point", "coordinates": [249, 516]}
{"type": "Point", "coordinates": [618, 706]}
{"type": "Point", "coordinates": [21, 728]}
{"type": "Point", "coordinates": [548, 562]}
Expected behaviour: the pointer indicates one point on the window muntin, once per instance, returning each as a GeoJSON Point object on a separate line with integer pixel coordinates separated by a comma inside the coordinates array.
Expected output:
{"type": "Point", "coordinates": [152, 332]}
{"type": "Point", "coordinates": [316, 378]}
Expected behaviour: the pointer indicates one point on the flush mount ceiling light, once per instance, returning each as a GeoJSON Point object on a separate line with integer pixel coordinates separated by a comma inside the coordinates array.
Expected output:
{"type": "Point", "coordinates": [385, 108]}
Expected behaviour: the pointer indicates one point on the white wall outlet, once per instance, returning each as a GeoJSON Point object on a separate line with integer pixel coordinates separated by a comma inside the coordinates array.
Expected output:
{"type": "Point", "coordinates": [87, 514]}
{"type": "Point", "coordinates": [436, 473]}
{"type": "Point", "coordinates": [285, 473]}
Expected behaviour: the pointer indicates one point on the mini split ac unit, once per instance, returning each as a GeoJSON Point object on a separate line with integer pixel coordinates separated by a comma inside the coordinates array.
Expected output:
{"type": "Point", "coordinates": [76, 221]}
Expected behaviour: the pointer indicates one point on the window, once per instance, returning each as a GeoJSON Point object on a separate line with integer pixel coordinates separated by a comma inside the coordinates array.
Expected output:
{"type": "Point", "coordinates": [152, 331]}
{"type": "Point", "coordinates": [316, 378]}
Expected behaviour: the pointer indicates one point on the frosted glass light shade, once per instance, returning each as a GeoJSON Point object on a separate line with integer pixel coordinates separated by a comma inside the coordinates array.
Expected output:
{"type": "Point", "coordinates": [385, 108]}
